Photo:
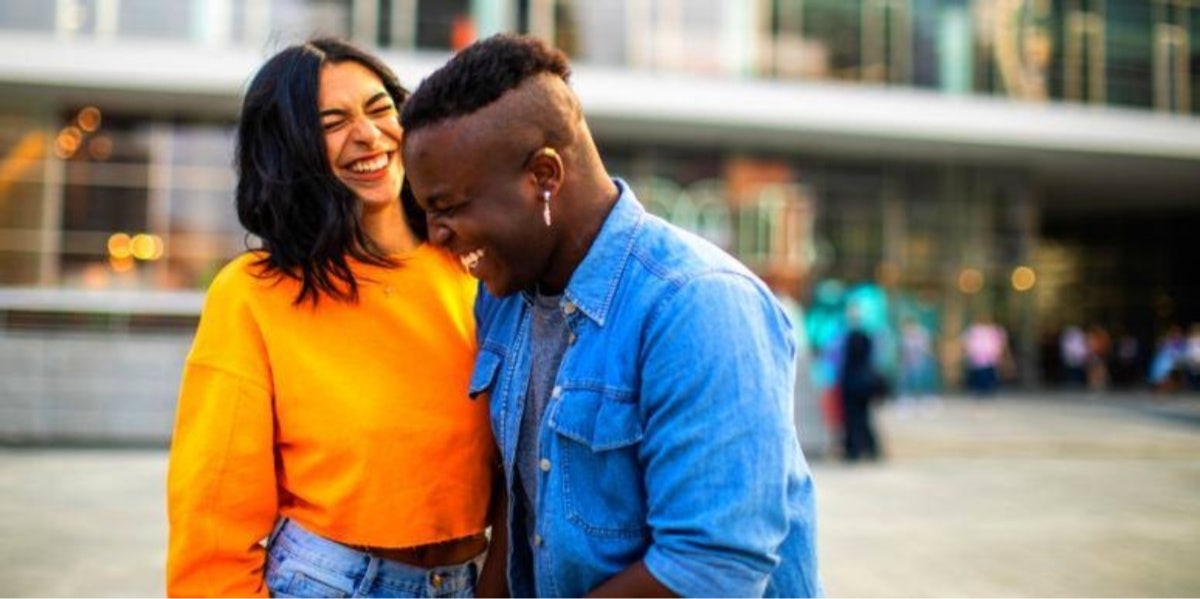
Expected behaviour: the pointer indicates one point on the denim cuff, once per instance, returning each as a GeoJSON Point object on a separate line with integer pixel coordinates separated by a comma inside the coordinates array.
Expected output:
{"type": "Point", "coordinates": [703, 578]}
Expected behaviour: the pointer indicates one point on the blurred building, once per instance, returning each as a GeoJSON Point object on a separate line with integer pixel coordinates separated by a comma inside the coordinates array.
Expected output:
{"type": "Point", "coordinates": [1038, 160]}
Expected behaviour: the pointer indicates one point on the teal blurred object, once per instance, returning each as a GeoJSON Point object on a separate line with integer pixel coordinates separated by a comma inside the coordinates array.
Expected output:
{"type": "Point", "coordinates": [827, 324]}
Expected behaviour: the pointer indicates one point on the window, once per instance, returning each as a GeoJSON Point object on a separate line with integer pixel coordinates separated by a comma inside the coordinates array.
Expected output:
{"type": "Point", "coordinates": [1175, 56]}
{"type": "Point", "coordinates": [155, 18]}
{"type": "Point", "coordinates": [444, 24]}
{"type": "Point", "coordinates": [1130, 54]}
{"type": "Point", "coordinates": [833, 29]}
{"type": "Point", "coordinates": [27, 16]}
{"type": "Point", "coordinates": [23, 212]}
{"type": "Point", "coordinates": [1083, 52]}
{"type": "Point", "coordinates": [593, 32]}
{"type": "Point", "coordinates": [105, 201]}
{"type": "Point", "coordinates": [293, 21]}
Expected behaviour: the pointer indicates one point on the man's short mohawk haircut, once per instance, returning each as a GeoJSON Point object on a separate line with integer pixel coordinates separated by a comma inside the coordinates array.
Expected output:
{"type": "Point", "coordinates": [478, 76]}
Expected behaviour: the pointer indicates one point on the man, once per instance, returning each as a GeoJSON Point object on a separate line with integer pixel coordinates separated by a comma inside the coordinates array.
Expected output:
{"type": "Point", "coordinates": [640, 378]}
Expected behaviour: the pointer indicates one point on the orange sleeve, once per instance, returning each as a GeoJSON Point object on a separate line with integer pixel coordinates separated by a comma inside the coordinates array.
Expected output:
{"type": "Point", "coordinates": [221, 485]}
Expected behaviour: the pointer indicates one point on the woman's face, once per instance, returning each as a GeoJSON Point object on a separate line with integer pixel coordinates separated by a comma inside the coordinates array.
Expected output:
{"type": "Point", "coordinates": [362, 132]}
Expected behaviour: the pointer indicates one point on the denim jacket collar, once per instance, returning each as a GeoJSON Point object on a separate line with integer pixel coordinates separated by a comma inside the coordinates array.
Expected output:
{"type": "Point", "coordinates": [594, 282]}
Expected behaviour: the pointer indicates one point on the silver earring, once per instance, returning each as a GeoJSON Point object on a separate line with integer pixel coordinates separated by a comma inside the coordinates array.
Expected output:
{"type": "Point", "coordinates": [546, 206]}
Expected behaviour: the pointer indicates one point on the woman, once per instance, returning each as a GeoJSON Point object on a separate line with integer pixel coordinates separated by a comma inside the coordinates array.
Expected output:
{"type": "Point", "coordinates": [324, 402]}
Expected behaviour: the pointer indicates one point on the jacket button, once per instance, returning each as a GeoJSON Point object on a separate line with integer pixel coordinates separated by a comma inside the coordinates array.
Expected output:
{"type": "Point", "coordinates": [537, 540]}
{"type": "Point", "coordinates": [544, 465]}
{"type": "Point", "coordinates": [569, 308]}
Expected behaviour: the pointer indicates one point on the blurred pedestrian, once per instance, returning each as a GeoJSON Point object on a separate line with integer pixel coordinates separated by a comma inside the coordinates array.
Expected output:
{"type": "Point", "coordinates": [1073, 347]}
{"type": "Point", "coordinates": [1127, 359]}
{"type": "Point", "coordinates": [917, 363]}
{"type": "Point", "coordinates": [1099, 352]}
{"type": "Point", "coordinates": [1192, 357]}
{"type": "Point", "coordinates": [641, 378]}
{"type": "Point", "coordinates": [324, 403]}
{"type": "Point", "coordinates": [1166, 370]}
{"type": "Point", "coordinates": [860, 385]}
{"type": "Point", "coordinates": [985, 344]}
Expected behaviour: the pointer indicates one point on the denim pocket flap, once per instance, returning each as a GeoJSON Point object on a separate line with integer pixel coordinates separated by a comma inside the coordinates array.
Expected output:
{"type": "Point", "coordinates": [487, 367]}
{"type": "Point", "coordinates": [600, 420]}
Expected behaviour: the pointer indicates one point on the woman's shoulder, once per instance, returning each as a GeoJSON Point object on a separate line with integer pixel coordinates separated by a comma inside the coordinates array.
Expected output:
{"type": "Point", "coordinates": [242, 275]}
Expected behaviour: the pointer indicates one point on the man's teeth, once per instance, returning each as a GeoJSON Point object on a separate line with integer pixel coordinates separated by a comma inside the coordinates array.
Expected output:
{"type": "Point", "coordinates": [471, 260]}
{"type": "Point", "coordinates": [370, 165]}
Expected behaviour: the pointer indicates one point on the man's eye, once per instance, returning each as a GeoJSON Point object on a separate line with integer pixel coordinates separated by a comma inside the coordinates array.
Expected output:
{"type": "Point", "coordinates": [383, 110]}
{"type": "Point", "coordinates": [331, 125]}
{"type": "Point", "coordinates": [446, 211]}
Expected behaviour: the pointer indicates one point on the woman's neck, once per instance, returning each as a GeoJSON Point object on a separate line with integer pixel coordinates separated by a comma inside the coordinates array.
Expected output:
{"type": "Point", "coordinates": [385, 225]}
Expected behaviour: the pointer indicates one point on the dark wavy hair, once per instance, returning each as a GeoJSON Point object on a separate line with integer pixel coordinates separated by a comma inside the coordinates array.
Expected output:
{"type": "Point", "coordinates": [479, 75]}
{"type": "Point", "coordinates": [308, 222]}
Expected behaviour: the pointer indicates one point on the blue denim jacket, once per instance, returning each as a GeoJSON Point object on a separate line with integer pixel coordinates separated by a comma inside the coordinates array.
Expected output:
{"type": "Point", "coordinates": [668, 437]}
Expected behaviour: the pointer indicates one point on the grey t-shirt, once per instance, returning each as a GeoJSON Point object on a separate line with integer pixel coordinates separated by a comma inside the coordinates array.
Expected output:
{"type": "Point", "coordinates": [550, 334]}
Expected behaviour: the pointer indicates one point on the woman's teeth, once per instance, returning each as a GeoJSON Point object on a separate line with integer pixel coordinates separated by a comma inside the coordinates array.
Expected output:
{"type": "Point", "coordinates": [370, 164]}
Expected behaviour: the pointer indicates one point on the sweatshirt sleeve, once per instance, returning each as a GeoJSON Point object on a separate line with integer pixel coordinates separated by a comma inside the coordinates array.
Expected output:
{"type": "Point", "coordinates": [221, 482]}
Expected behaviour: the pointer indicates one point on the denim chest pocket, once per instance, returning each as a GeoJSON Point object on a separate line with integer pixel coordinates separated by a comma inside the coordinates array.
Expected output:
{"type": "Point", "coordinates": [483, 381]}
{"type": "Point", "coordinates": [598, 433]}
{"type": "Point", "coordinates": [487, 366]}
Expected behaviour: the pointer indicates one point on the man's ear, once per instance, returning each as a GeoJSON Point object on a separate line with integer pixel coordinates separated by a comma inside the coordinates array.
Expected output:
{"type": "Point", "coordinates": [547, 168]}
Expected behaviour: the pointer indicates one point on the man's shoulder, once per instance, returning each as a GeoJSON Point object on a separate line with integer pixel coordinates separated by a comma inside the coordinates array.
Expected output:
{"type": "Point", "coordinates": [677, 256]}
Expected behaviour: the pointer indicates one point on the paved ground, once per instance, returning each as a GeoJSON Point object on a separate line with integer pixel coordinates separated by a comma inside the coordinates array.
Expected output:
{"type": "Point", "coordinates": [1059, 496]}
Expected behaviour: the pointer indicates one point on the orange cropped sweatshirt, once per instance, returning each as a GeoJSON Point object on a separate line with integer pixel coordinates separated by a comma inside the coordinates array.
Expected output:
{"type": "Point", "coordinates": [351, 419]}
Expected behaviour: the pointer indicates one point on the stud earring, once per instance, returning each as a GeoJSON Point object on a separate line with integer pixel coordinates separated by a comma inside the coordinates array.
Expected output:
{"type": "Point", "coordinates": [546, 206]}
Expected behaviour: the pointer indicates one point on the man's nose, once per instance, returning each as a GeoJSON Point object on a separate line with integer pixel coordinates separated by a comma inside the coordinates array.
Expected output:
{"type": "Point", "coordinates": [439, 233]}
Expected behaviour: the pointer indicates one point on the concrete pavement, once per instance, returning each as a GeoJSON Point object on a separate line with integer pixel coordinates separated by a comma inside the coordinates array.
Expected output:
{"type": "Point", "coordinates": [1029, 497]}
{"type": "Point", "coordinates": [1056, 496]}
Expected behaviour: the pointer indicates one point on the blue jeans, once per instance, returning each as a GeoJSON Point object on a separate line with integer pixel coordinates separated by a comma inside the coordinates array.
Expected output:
{"type": "Point", "coordinates": [303, 564]}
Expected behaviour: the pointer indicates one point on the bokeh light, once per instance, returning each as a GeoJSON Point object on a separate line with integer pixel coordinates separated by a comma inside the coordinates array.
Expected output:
{"type": "Point", "coordinates": [1023, 278]}
{"type": "Point", "coordinates": [970, 281]}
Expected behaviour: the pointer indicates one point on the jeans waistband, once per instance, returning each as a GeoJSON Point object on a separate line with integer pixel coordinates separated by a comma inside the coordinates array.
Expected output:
{"type": "Point", "coordinates": [360, 568]}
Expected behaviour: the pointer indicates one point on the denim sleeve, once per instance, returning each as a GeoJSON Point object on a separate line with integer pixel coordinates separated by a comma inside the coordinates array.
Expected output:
{"type": "Point", "coordinates": [716, 390]}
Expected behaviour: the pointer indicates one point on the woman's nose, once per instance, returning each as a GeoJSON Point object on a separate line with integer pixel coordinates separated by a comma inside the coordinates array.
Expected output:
{"type": "Point", "coordinates": [365, 130]}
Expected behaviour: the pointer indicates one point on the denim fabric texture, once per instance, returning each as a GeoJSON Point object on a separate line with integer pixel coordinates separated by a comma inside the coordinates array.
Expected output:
{"type": "Point", "coordinates": [303, 564]}
{"type": "Point", "coordinates": [668, 437]}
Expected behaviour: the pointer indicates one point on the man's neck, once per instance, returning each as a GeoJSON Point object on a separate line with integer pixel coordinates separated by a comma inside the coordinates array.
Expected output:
{"type": "Point", "coordinates": [590, 208]}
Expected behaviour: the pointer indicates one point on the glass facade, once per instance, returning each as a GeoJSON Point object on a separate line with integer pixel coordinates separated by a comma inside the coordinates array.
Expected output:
{"type": "Point", "coordinates": [108, 201]}
{"type": "Point", "coordinates": [911, 230]}
{"type": "Point", "coordinates": [113, 198]}
{"type": "Point", "coordinates": [1130, 53]}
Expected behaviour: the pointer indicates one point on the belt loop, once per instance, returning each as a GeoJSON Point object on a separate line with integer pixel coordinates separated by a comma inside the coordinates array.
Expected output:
{"type": "Point", "coordinates": [279, 524]}
{"type": "Point", "coordinates": [368, 579]}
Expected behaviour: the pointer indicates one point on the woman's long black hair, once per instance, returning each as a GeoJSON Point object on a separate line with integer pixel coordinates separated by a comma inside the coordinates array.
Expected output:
{"type": "Point", "coordinates": [308, 221]}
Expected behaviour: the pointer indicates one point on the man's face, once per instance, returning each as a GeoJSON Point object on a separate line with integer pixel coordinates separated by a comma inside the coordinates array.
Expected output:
{"type": "Point", "coordinates": [481, 202]}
